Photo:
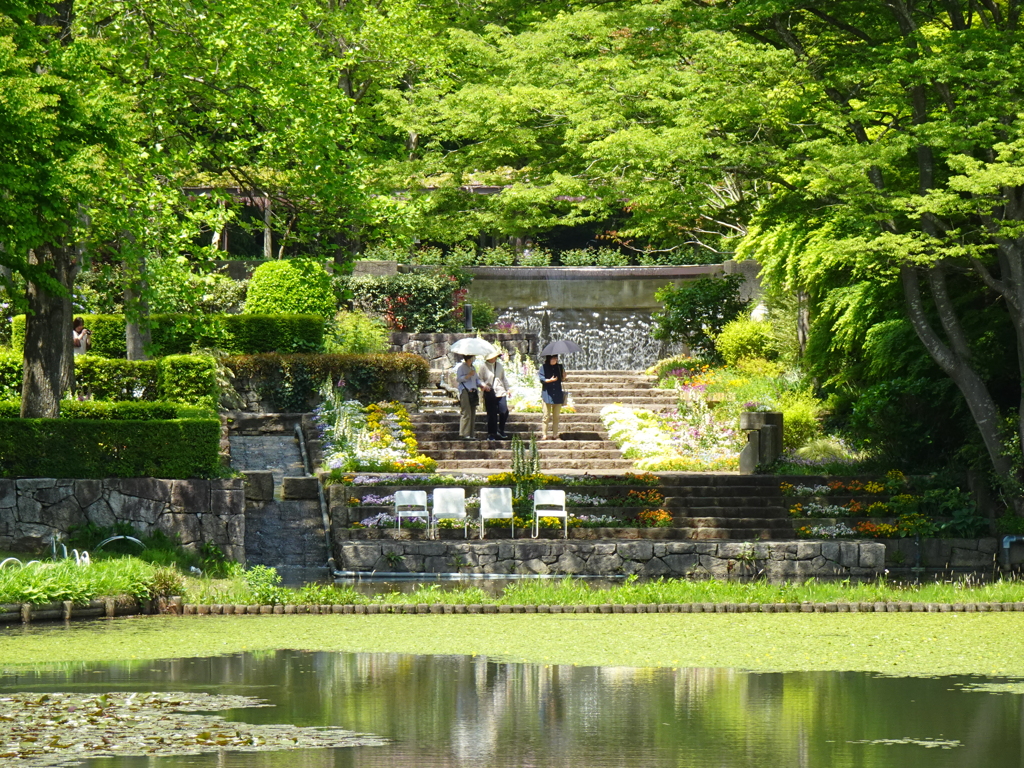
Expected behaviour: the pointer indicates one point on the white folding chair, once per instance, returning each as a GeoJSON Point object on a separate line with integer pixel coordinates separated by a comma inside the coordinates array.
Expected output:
{"type": "Point", "coordinates": [549, 504]}
{"type": "Point", "coordinates": [449, 504]}
{"type": "Point", "coordinates": [496, 503]}
{"type": "Point", "coordinates": [411, 504]}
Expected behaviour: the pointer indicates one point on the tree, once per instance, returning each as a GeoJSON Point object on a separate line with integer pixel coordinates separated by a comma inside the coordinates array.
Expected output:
{"type": "Point", "coordinates": [65, 138]}
{"type": "Point", "coordinates": [696, 313]}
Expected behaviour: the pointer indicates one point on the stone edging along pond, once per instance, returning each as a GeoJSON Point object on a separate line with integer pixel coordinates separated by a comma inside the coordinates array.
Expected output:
{"type": "Point", "coordinates": [111, 607]}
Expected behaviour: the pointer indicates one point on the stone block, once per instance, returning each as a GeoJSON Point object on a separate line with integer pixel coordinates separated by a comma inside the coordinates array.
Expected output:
{"type": "Point", "coordinates": [605, 548]}
{"type": "Point", "coordinates": [680, 565]}
{"type": "Point", "coordinates": [807, 550]}
{"type": "Point", "coordinates": [654, 567]}
{"type": "Point", "coordinates": [259, 485]}
{"type": "Point", "coordinates": [29, 510]}
{"type": "Point", "coordinates": [87, 491]}
{"type": "Point", "coordinates": [830, 551]}
{"type": "Point", "coordinates": [872, 555]}
{"type": "Point", "coordinates": [604, 564]}
{"type": "Point", "coordinates": [300, 488]}
{"type": "Point", "coordinates": [989, 545]}
{"type": "Point", "coordinates": [33, 484]}
{"type": "Point", "coordinates": [151, 488]}
{"type": "Point", "coordinates": [635, 550]}
{"type": "Point", "coordinates": [8, 494]}
{"type": "Point", "coordinates": [65, 514]}
{"type": "Point", "coordinates": [231, 502]}
{"type": "Point", "coordinates": [534, 565]}
{"type": "Point", "coordinates": [213, 529]}
{"type": "Point", "coordinates": [182, 524]}
{"type": "Point", "coordinates": [100, 514]}
{"type": "Point", "coordinates": [190, 495]}
{"type": "Point", "coordinates": [569, 562]}
{"type": "Point", "coordinates": [532, 550]}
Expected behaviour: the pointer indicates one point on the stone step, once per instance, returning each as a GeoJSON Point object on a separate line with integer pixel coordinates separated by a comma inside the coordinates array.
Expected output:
{"type": "Point", "coordinates": [483, 451]}
{"type": "Point", "coordinates": [544, 446]}
{"type": "Point", "coordinates": [721, 500]}
{"type": "Point", "coordinates": [547, 465]}
{"type": "Point", "coordinates": [740, 534]}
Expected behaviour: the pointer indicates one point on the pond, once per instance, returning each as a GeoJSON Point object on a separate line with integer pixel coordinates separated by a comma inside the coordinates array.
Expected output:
{"type": "Point", "coordinates": [474, 711]}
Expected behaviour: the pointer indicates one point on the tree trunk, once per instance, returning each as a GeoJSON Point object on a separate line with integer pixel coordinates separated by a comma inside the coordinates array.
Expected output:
{"type": "Point", "coordinates": [137, 334]}
{"type": "Point", "coordinates": [49, 354]}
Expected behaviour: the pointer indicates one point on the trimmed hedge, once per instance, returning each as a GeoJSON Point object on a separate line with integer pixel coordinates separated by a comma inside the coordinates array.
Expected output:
{"type": "Point", "coordinates": [292, 379]}
{"type": "Point", "coordinates": [95, 448]}
{"type": "Point", "coordinates": [290, 285]}
{"type": "Point", "coordinates": [180, 334]}
{"type": "Point", "coordinates": [184, 379]}
{"type": "Point", "coordinates": [91, 409]}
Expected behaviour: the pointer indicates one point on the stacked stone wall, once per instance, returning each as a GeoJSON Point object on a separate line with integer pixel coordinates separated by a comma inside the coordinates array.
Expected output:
{"type": "Point", "coordinates": [35, 510]}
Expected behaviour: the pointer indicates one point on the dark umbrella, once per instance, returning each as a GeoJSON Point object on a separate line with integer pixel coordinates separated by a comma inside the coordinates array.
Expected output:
{"type": "Point", "coordinates": [561, 347]}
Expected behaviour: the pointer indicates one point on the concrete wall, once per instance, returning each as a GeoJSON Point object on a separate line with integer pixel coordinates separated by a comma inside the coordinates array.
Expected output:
{"type": "Point", "coordinates": [33, 510]}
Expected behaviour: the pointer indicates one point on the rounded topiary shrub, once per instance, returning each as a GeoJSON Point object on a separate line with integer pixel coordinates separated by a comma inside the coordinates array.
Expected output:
{"type": "Point", "coordinates": [290, 286]}
{"type": "Point", "coordinates": [742, 339]}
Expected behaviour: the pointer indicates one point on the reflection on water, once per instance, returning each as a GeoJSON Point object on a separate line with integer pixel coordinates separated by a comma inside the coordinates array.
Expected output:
{"type": "Point", "coordinates": [473, 711]}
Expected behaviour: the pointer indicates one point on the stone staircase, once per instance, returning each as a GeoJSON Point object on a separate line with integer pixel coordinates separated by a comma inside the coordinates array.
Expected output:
{"type": "Point", "coordinates": [583, 446]}
{"type": "Point", "coordinates": [727, 506]}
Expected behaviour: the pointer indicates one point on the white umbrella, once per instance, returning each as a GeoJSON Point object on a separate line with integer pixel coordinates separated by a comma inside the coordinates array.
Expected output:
{"type": "Point", "coordinates": [472, 346]}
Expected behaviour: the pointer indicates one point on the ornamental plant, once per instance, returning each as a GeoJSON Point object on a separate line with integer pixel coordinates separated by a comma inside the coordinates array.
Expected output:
{"type": "Point", "coordinates": [372, 438]}
{"type": "Point", "coordinates": [290, 286]}
{"type": "Point", "coordinates": [654, 518]}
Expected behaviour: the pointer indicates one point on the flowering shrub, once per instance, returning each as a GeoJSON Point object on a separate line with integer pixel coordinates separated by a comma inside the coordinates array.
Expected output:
{"type": "Point", "coordinates": [651, 497]}
{"type": "Point", "coordinates": [654, 518]}
{"type": "Point", "coordinates": [582, 500]}
{"type": "Point", "coordinates": [372, 438]}
{"type": "Point", "coordinates": [816, 509]}
{"type": "Point", "coordinates": [597, 521]}
{"type": "Point", "coordinates": [688, 438]}
{"type": "Point", "coordinates": [878, 509]}
{"type": "Point", "coordinates": [837, 531]}
{"type": "Point", "coordinates": [875, 530]}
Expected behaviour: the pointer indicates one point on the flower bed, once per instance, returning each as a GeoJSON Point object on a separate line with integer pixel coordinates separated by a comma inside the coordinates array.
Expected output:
{"type": "Point", "coordinates": [373, 438]}
{"type": "Point", "coordinates": [688, 439]}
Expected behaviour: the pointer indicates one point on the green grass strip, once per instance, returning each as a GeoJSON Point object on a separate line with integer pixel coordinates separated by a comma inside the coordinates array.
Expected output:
{"type": "Point", "coordinates": [901, 644]}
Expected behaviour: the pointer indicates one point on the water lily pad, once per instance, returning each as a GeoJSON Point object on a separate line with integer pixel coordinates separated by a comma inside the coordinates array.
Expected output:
{"type": "Point", "coordinates": [65, 728]}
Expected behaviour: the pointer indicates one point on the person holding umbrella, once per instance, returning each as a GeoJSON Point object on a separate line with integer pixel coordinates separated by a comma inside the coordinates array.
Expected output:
{"type": "Point", "coordinates": [551, 375]}
{"type": "Point", "coordinates": [495, 387]}
{"type": "Point", "coordinates": [469, 397]}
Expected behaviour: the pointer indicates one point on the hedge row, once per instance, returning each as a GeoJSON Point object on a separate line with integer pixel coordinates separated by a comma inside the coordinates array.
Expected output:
{"type": "Point", "coordinates": [180, 334]}
{"type": "Point", "coordinates": [291, 379]}
{"type": "Point", "coordinates": [89, 409]}
{"type": "Point", "coordinates": [183, 379]}
{"type": "Point", "coordinates": [94, 448]}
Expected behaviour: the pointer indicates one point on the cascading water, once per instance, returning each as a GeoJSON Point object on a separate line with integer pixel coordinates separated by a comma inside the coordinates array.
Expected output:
{"type": "Point", "coordinates": [611, 339]}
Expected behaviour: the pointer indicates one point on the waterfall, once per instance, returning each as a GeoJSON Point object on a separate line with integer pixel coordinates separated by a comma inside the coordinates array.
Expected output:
{"type": "Point", "coordinates": [611, 339]}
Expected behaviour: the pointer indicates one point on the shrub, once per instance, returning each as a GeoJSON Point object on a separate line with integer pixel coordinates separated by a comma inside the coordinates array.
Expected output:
{"type": "Point", "coordinates": [85, 448]}
{"type": "Point", "coordinates": [417, 303]}
{"type": "Point", "coordinates": [484, 315]}
{"type": "Point", "coordinates": [180, 334]}
{"type": "Point", "coordinates": [742, 339]}
{"type": "Point", "coordinates": [800, 412]}
{"type": "Point", "coordinates": [354, 333]}
{"type": "Point", "coordinates": [110, 379]}
{"type": "Point", "coordinates": [11, 366]}
{"type": "Point", "coordinates": [696, 313]}
{"type": "Point", "coordinates": [290, 286]}
{"type": "Point", "coordinates": [593, 257]}
{"type": "Point", "coordinates": [189, 379]}
{"type": "Point", "coordinates": [499, 256]}
{"type": "Point", "coordinates": [367, 378]}
{"type": "Point", "coordinates": [535, 257]}
{"type": "Point", "coordinates": [254, 334]}
{"type": "Point", "coordinates": [91, 409]}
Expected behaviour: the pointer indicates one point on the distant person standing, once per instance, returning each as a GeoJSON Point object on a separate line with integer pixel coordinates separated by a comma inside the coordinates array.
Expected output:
{"type": "Point", "coordinates": [551, 376]}
{"type": "Point", "coordinates": [469, 397]}
{"type": "Point", "coordinates": [81, 337]}
{"type": "Point", "coordinates": [495, 387]}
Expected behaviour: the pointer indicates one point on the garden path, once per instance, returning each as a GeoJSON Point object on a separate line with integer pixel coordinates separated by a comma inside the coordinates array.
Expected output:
{"type": "Point", "coordinates": [266, 443]}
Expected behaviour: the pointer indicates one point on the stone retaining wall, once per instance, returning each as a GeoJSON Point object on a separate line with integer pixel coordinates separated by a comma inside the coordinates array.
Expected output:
{"type": "Point", "coordinates": [433, 347]}
{"type": "Point", "coordinates": [34, 510]}
{"type": "Point", "coordinates": [774, 560]}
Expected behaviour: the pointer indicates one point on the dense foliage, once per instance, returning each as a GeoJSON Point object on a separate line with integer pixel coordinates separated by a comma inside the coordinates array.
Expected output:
{"type": "Point", "coordinates": [175, 448]}
{"type": "Point", "coordinates": [695, 313]}
{"type": "Point", "coordinates": [290, 286]}
{"type": "Point", "coordinates": [417, 303]}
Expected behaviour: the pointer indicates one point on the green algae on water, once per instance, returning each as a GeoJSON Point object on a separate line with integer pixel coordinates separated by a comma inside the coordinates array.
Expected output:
{"type": "Point", "coordinates": [900, 644]}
